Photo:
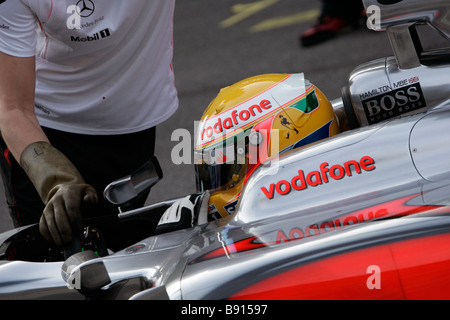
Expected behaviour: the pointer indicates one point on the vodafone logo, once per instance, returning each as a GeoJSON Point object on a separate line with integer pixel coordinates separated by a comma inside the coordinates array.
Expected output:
{"type": "Point", "coordinates": [318, 177]}
{"type": "Point", "coordinates": [233, 119]}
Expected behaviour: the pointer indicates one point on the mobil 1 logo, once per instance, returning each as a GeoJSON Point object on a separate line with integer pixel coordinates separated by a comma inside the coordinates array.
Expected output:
{"type": "Point", "coordinates": [394, 102]}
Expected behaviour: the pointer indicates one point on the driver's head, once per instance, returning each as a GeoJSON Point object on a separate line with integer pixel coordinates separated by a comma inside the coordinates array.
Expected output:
{"type": "Point", "coordinates": [251, 121]}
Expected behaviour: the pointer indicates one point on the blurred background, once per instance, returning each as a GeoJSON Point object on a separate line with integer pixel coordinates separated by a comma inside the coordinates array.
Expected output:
{"type": "Point", "coordinates": [217, 43]}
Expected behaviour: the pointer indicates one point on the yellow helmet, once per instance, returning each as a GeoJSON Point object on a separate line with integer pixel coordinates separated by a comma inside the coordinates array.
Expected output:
{"type": "Point", "coordinates": [251, 121]}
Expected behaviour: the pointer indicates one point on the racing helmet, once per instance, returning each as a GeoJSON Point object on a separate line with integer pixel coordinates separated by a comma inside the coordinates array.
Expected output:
{"type": "Point", "coordinates": [252, 121]}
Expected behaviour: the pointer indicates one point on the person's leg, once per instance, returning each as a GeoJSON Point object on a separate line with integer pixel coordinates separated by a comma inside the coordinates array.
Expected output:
{"type": "Point", "coordinates": [336, 15]}
{"type": "Point", "coordinates": [345, 9]}
{"type": "Point", "coordinates": [23, 202]}
{"type": "Point", "coordinates": [101, 160]}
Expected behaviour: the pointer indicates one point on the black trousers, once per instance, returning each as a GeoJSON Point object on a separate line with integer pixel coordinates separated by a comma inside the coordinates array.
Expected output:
{"type": "Point", "coordinates": [100, 160]}
{"type": "Point", "coordinates": [346, 9]}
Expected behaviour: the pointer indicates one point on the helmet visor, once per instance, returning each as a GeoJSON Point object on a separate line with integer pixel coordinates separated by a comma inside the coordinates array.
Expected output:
{"type": "Point", "coordinates": [219, 175]}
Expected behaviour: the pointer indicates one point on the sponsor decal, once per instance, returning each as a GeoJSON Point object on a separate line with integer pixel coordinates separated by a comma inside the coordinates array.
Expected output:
{"type": "Point", "coordinates": [391, 101]}
{"type": "Point", "coordinates": [229, 208]}
{"type": "Point", "coordinates": [394, 208]}
{"type": "Point", "coordinates": [233, 119]}
{"type": "Point", "coordinates": [298, 233]}
{"type": "Point", "coordinates": [325, 174]}
{"type": "Point", "coordinates": [3, 26]}
{"type": "Point", "coordinates": [43, 109]}
{"type": "Point", "coordinates": [243, 116]}
{"type": "Point", "coordinates": [95, 37]}
{"type": "Point", "coordinates": [79, 12]}
{"type": "Point", "coordinates": [85, 8]}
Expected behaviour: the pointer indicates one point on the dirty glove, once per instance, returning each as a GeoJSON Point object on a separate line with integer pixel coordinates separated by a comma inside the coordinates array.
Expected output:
{"type": "Point", "coordinates": [185, 213]}
{"type": "Point", "coordinates": [61, 188]}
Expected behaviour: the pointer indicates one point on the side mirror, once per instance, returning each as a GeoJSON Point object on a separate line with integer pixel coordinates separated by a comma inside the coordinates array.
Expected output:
{"type": "Point", "coordinates": [123, 191]}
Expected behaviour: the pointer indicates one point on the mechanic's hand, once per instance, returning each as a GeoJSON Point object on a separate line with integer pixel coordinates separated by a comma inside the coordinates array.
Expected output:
{"type": "Point", "coordinates": [62, 189]}
{"type": "Point", "coordinates": [185, 213]}
{"type": "Point", "coordinates": [62, 216]}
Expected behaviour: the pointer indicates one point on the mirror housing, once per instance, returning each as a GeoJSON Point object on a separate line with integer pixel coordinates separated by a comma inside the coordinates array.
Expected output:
{"type": "Point", "coordinates": [124, 190]}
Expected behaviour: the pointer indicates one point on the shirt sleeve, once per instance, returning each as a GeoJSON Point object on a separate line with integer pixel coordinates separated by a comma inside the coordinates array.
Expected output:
{"type": "Point", "coordinates": [17, 29]}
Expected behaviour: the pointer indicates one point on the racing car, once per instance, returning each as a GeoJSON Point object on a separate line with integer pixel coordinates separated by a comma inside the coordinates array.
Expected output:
{"type": "Point", "coordinates": [364, 214]}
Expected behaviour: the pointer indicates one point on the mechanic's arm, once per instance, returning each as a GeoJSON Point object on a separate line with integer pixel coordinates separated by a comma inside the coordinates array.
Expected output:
{"type": "Point", "coordinates": [58, 182]}
{"type": "Point", "coordinates": [18, 123]}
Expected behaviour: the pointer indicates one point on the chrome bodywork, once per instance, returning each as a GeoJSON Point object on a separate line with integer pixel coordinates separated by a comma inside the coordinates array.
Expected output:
{"type": "Point", "coordinates": [321, 196]}
{"type": "Point", "coordinates": [407, 12]}
{"type": "Point", "coordinates": [180, 265]}
{"type": "Point", "coordinates": [379, 89]}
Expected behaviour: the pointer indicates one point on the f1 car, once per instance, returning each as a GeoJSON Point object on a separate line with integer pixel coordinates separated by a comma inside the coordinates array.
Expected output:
{"type": "Point", "coordinates": [364, 214]}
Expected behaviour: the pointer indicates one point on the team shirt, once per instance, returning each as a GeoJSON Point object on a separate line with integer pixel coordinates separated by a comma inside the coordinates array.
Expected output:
{"type": "Point", "coordinates": [103, 66]}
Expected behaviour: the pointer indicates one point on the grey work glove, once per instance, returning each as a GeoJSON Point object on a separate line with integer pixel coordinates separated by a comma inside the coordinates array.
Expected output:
{"type": "Point", "coordinates": [61, 188]}
{"type": "Point", "coordinates": [185, 213]}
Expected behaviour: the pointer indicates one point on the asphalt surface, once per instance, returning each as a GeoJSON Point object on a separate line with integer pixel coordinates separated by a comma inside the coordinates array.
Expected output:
{"type": "Point", "coordinates": [219, 43]}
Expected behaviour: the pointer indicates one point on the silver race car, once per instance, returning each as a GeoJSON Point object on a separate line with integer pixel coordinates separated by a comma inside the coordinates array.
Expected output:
{"type": "Point", "coordinates": [364, 214]}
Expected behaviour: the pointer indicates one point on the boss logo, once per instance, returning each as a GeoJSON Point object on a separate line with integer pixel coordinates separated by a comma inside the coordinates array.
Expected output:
{"type": "Point", "coordinates": [394, 103]}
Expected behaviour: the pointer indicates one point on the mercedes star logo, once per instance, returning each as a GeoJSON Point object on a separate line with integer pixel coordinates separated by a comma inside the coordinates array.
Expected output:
{"type": "Point", "coordinates": [86, 8]}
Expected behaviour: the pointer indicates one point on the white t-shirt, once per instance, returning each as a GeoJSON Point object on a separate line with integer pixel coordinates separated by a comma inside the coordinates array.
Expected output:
{"type": "Point", "coordinates": [103, 66]}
